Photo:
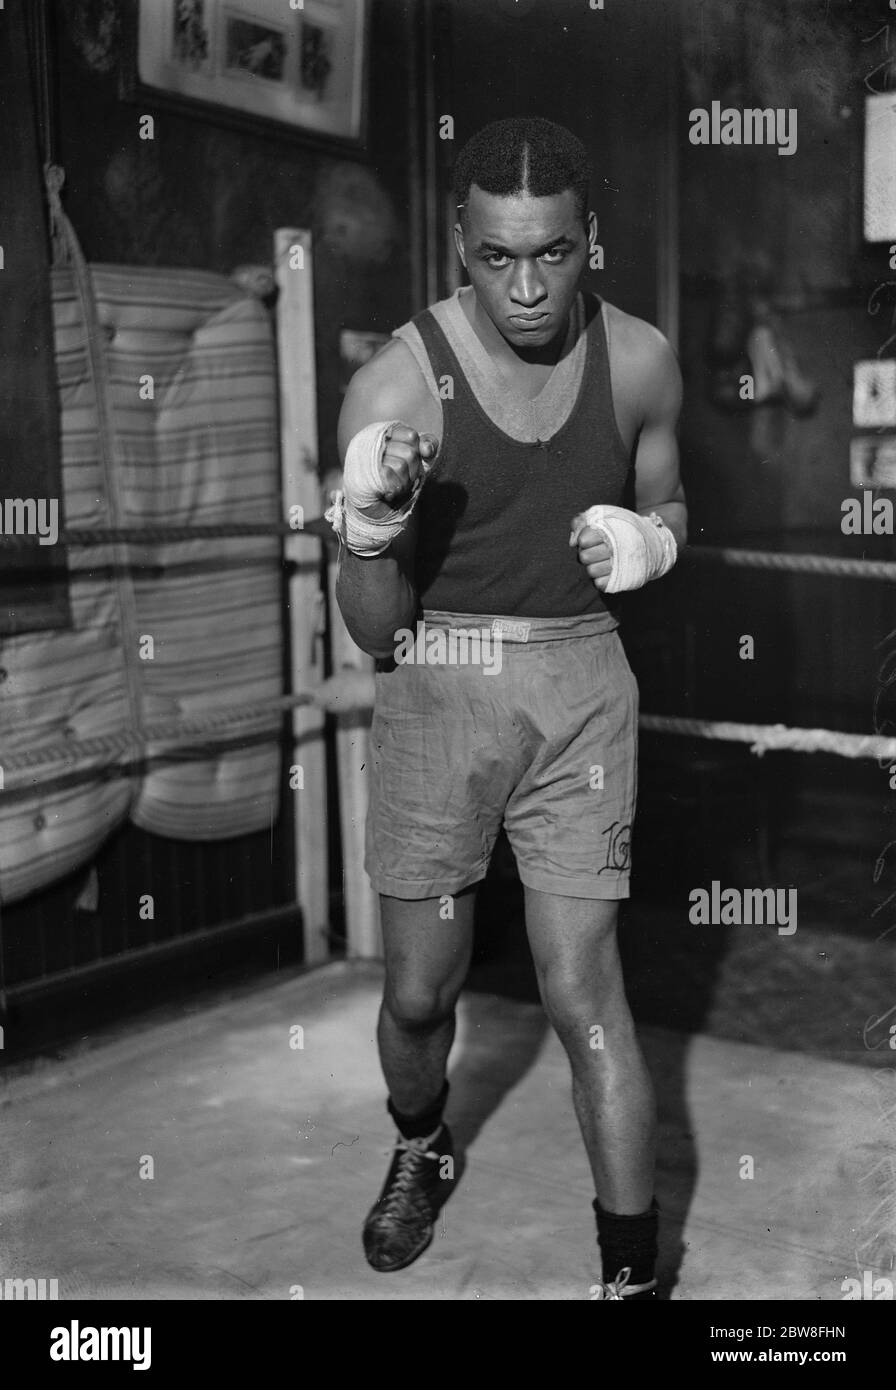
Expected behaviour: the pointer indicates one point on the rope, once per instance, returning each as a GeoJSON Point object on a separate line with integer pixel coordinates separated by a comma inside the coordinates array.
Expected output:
{"type": "Point", "coordinates": [341, 694]}
{"type": "Point", "coordinates": [350, 691]}
{"type": "Point", "coordinates": [765, 738]}
{"type": "Point", "coordinates": [793, 564]}
{"type": "Point", "coordinates": [87, 536]}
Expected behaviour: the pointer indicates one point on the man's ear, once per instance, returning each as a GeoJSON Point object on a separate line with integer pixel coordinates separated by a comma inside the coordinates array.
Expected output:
{"type": "Point", "coordinates": [459, 243]}
{"type": "Point", "coordinates": [592, 231]}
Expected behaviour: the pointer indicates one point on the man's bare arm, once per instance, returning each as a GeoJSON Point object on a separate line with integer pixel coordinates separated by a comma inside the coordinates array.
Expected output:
{"type": "Point", "coordinates": [376, 594]}
{"type": "Point", "coordinates": [658, 485]}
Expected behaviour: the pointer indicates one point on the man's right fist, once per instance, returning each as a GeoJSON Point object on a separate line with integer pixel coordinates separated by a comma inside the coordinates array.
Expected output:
{"type": "Point", "coordinates": [386, 465]}
{"type": "Point", "coordinates": [404, 454]}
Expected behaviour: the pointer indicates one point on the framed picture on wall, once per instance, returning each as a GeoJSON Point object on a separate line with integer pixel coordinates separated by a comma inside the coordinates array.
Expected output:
{"type": "Point", "coordinates": [300, 64]}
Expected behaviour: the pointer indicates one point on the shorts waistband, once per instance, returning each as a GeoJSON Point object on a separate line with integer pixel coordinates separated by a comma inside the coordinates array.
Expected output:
{"type": "Point", "coordinates": [524, 630]}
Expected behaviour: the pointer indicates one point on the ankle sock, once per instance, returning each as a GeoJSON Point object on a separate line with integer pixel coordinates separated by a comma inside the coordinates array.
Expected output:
{"type": "Point", "coordinates": [425, 1123]}
{"type": "Point", "coordinates": [628, 1241]}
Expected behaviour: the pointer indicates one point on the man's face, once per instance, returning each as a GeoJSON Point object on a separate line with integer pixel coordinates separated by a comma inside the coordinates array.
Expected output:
{"type": "Point", "coordinates": [524, 257]}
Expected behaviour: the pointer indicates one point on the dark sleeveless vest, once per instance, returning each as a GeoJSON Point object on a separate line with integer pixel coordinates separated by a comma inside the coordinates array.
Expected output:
{"type": "Point", "coordinates": [495, 517]}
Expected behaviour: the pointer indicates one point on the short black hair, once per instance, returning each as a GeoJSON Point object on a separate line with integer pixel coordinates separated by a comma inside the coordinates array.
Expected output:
{"type": "Point", "coordinates": [524, 155]}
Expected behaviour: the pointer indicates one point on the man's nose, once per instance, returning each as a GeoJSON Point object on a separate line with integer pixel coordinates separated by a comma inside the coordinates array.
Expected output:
{"type": "Point", "coordinates": [527, 289]}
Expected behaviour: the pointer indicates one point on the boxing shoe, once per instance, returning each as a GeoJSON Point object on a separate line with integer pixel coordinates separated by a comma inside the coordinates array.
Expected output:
{"type": "Point", "coordinates": [619, 1288]}
{"type": "Point", "coordinates": [399, 1225]}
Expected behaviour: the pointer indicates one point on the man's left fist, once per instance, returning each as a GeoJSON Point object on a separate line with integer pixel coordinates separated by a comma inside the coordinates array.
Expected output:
{"type": "Point", "coordinates": [621, 549]}
{"type": "Point", "coordinates": [594, 554]}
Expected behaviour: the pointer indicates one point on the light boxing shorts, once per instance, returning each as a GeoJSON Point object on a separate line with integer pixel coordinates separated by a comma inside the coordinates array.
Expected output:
{"type": "Point", "coordinates": [536, 728]}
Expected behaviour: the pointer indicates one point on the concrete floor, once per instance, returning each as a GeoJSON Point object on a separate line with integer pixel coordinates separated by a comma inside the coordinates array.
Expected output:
{"type": "Point", "coordinates": [266, 1158]}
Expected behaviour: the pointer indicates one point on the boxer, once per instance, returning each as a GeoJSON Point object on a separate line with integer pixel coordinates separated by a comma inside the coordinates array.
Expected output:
{"type": "Point", "coordinates": [510, 464]}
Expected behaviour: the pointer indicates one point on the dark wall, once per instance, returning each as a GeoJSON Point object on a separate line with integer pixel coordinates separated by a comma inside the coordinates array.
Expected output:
{"type": "Point", "coordinates": [784, 233]}
{"type": "Point", "coordinates": [602, 73]}
{"type": "Point", "coordinates": [205, 195]}
{"type": "Point", "coordinates": [787, 230]}
{"type": "Point", "coordinates": [790, 228]}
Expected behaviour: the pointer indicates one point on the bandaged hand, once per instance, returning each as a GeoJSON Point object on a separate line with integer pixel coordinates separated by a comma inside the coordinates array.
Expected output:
{"type": "Point", "coordinates": [622, 550]}
{"type": "Point", "coordinates": [386, 465]}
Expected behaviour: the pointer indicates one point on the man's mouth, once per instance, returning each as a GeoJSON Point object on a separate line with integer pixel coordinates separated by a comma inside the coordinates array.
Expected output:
{"type": "Point", "coordinates": [528, 321]}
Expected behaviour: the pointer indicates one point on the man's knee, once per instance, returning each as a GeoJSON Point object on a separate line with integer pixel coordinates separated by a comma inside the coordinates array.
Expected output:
{"type": "Point", "coordinates": [577, 989]}
{"type": "Point", "coordinates": [572, 1004]}
{"type": "Point", "coordinates": [427, 958]}
{"type": "Point", "coordinates": [415, 1003]}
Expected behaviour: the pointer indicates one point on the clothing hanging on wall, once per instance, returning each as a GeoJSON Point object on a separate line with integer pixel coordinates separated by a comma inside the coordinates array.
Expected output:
{"type": "Point", "coordinates": [30, 468]}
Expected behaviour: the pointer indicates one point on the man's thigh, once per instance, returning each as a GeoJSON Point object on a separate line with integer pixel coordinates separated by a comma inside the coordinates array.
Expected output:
{"type": "Point", "coordinates": [428, 943]}
{"type": "Point", "coordinates": [445, 757]}
{"type": "Point", "coordinates": [572, 938]}
{"type": "Point", "coordinates": [569, 819]}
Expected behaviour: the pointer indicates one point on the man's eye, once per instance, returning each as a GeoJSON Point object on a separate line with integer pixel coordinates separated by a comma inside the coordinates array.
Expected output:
{"type": "Point", "coordinates": [498, 260]}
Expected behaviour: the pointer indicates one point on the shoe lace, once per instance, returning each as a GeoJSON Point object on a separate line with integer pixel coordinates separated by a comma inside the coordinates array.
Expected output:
{"type": "Point", "coordinates": [615, 1288]}
{"type": "Point", "coordinates": [412, 1155]}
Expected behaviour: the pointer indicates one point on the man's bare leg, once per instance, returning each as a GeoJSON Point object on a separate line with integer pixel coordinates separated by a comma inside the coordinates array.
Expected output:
{"type": "Point", "coordinates": [427, 958]}
{"type": "Point", "coordinates": [579, 972]}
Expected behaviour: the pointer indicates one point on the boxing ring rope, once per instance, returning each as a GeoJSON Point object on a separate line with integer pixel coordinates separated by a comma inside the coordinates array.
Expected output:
{"type": "Point", "coordinates": [884, 570]}
{"type": "Point", "coordinates": [350, 691]}
{"type": "Point", "coordinates": [777, 738]}
{"type": "Point", "coordinates": [789, 563]}
{"type": "Point", "coordinates": [86, 537]}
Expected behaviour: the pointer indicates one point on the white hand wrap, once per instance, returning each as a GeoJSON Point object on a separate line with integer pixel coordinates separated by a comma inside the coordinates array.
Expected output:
{"type": "Point", "coordinates": [642, 547]}
{"type": "Point", "coordinates": [362, 485]}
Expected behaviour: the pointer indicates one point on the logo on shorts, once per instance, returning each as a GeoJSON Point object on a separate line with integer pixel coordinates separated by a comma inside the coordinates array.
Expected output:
{"type": "Point", "coordinates": [454, 646]}
{"type": "Point", "coordinates": [619, 847]}
{"type": "Point", "coordinates": [511, 631]}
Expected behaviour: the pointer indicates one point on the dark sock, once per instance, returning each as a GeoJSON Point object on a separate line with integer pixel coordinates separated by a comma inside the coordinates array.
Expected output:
{"type": "Point", "coordinates": [425, 1123]}
{"type": "Point", "coordinates": [627, 1241]}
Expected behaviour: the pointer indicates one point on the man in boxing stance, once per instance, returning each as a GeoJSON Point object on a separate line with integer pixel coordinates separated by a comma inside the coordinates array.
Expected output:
{"type": "Point", "coordinates": [489, 450]}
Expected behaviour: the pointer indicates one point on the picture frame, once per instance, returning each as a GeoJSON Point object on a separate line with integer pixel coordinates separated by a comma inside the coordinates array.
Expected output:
{"type": "Point", "coordinates": [879, 174]}
{"type": "Point", "coordinates": [297, 68]}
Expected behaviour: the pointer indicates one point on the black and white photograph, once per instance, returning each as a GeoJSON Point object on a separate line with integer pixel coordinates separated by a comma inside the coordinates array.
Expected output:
{"type": "Point", "coordinates": [447, 669]}
{"type": "Point", "coordinates": [299, 67]}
